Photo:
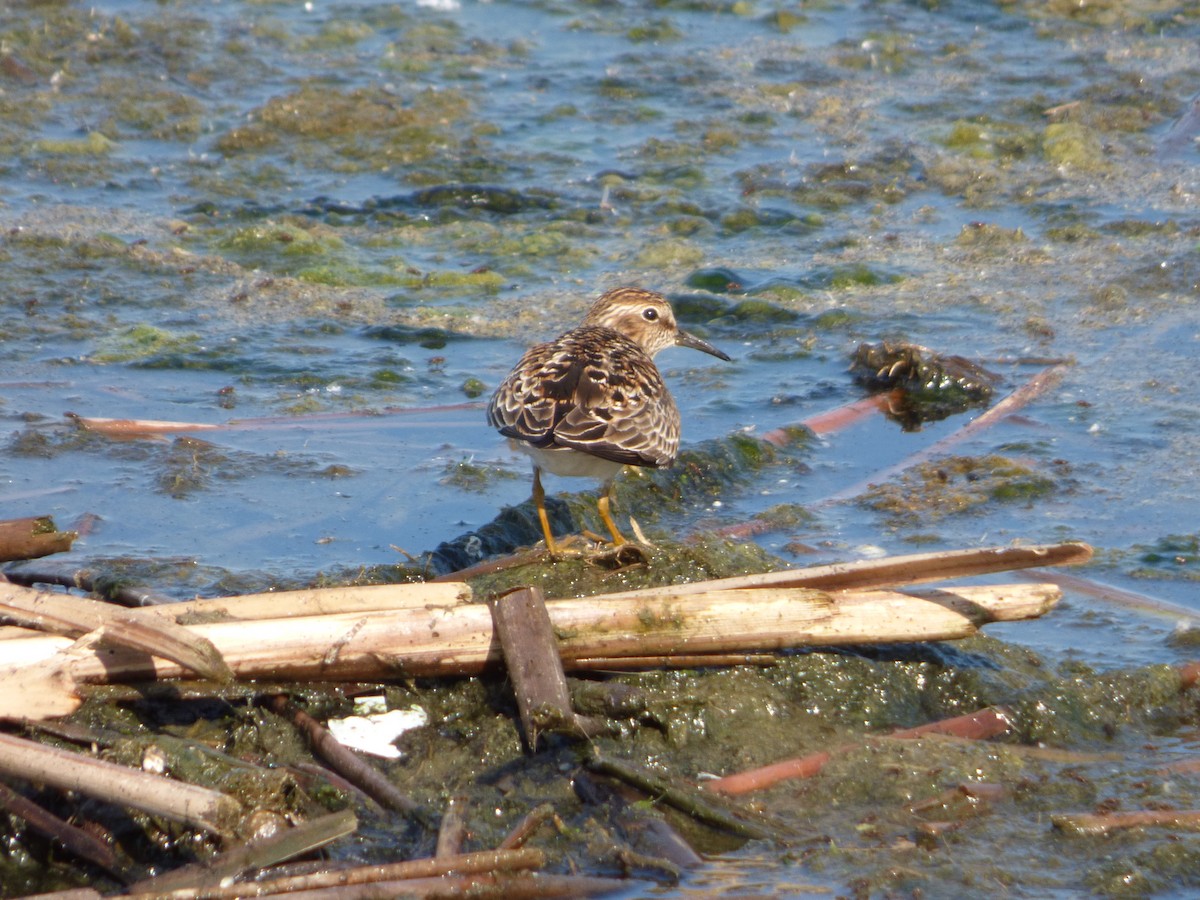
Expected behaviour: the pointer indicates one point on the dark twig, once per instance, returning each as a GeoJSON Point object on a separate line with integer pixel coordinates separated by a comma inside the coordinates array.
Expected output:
{"type": "Point", "coordinates": [690, 800]}
{"type": "Point", "coordinates": [649, 833]}
{"type": "Point", "coordinates": [343, 760]}
{"type": "Point", "coordinates": [84, 580]}
{"type": "Point", "coordinates": [75, 840]}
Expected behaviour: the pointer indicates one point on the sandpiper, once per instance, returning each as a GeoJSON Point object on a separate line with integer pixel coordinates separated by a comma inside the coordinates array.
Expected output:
{"type": "Point", "coordinates": [592, 400]}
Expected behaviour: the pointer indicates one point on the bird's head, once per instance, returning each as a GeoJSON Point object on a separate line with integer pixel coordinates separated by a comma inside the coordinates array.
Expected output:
{"type": "Point", "coordinates": [646, 318]}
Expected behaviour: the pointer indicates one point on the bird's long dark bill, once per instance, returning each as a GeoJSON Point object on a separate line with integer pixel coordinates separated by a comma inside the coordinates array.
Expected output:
{"type": "Point", "coordinates": [690, 340]}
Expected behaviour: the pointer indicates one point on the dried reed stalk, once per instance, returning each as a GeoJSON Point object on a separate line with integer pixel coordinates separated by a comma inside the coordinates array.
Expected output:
{"type": "Point", "coordinates": [459, 638]}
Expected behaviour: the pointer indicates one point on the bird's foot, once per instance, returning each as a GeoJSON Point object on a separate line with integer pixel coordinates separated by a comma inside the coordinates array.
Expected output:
{"type": "Point", "coordinates": [592, 548]}
{"type": "Point", "coordinates": [617, 557]}
{"type": "Point", "coordinates": [575, 546]}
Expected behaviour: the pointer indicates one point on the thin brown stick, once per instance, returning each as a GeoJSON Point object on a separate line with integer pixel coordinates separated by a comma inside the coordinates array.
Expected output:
{"type": "Point", "coordinates": [316, 770]}
{"type": "Point", "coordinates": [835, 419]}
{"type": "Point", "coordinates": [490, 566]}
{"type": "Point", "coordinates": [524, 829]}
{"type": "Point", "coordinates": [672, 661]}
{"type": "Point", "coordinates": [980, 725]}
{"type": "Point", "coordinates": [685, 798]}
{"type": "Point", "coordinates": [464, 864]}
{"type": "Point", "coordinates": [343, 760]}
{"type": "Point", "coordinates": [85, 580]}
{"type": "Point", "coordinates": [483, 886]}
{"type": "Point", "coordinates": [891, 571]}
{"type": "Point", "coordinates": [766, 776]}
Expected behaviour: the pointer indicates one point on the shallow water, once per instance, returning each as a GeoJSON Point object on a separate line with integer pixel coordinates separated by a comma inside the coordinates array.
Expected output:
{"type": "Point", "coordinates": [214, 213]}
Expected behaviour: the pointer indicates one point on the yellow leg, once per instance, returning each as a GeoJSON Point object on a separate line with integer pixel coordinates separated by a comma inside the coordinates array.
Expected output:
{"type": "Point", "coordinates": [539, 500]}
{"type": "Point", "coordinates": [603, 504]}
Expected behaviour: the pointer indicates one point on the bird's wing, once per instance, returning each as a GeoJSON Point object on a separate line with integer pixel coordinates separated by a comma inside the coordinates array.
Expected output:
{"type": "Point", "coordinates": [592, 390]}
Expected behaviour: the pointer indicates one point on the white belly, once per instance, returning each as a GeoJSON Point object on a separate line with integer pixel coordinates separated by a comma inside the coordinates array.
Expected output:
{"type": "Point", "coordinates": [571, 463]}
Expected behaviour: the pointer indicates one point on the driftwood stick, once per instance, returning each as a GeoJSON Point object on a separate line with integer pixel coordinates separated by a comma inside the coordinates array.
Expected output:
{"type": "Point", "coordinates": [490, 566]}
{"type": "Point", "coordinates": [343, 760]}
{"type": "Point", "coordinates": [533, 662]}
{"type": "Point", "coordinates": [74, 840]}
{"type": "Point", "coordinates": [142, 428]}
{"type": "Point", "coordinates": [483, 886]}
{"type": "Point", "coordinates": [316, 770]}
{"type": "Point", "coordinates": [319, 601]}
{"type": "Point", "coordinates": [672, 661]}
{"type": "Point", "coordinates": [465, 864]}
{"type": "Point", "coordinates": [535, 666]}
{"type": "Point", "coordinates": [194, 806]}
{"type": "Point", "coordinates": [32, 537]}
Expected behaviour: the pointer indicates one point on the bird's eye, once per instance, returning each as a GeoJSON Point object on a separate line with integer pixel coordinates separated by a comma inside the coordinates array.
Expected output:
{"type": "Point", "coordinates": [650, 314]}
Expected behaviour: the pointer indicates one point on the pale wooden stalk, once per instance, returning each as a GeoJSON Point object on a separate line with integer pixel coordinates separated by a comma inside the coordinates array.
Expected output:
{"type": "Point", "coordinates": [316, 601]}
{"type": "Point", "coordinates": [459, 638]}
{"type": "Point", "coordinates": [66, 614]}
{"type": "Point", "coordinates": [891, 571]}
{"type": "Point", "coordinates": [194, 806]}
